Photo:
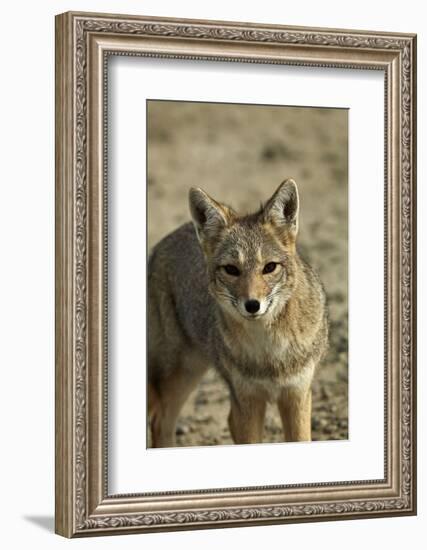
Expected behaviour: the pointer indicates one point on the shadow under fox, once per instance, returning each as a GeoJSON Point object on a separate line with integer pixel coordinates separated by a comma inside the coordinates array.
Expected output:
{"type": "Point", "coordinates": [232, 292]}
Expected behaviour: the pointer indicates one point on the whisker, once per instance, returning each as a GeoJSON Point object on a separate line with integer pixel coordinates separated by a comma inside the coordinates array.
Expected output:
{"type": "Point", "coordinates": [228, 297]}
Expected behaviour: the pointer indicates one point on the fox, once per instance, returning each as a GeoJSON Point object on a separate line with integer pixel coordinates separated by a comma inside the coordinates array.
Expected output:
{"type": "Point", "coordinates": [232, 292]}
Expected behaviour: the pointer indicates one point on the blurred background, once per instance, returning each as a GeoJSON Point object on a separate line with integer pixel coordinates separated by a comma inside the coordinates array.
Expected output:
{"type": "Point", "coordinates": [239, 154]}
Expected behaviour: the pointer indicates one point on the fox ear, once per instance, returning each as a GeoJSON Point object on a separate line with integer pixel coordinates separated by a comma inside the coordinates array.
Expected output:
{"type": "Point", "coordinates": [283, 207]}
{"type": "Point", "coordinates": [209, 216]}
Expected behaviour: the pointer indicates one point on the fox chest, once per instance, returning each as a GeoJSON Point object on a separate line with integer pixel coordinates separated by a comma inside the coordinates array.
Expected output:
{"type": "Point", "coordinates": [267, 366]}
{"type": "Point", "coordinates": [264, 351]}
{"type": "Point", "coordinates": [262, 354]}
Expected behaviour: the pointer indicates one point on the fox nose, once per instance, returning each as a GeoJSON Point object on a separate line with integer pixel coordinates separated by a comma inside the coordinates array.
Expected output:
{"type": "Point", "coordinates": [252, 306]}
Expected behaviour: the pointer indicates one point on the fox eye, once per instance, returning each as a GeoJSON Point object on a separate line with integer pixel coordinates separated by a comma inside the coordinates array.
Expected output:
{"type": "Point", "coordinates": [270, 267]}
{"type": "Point", "coordinates": [231, 270]}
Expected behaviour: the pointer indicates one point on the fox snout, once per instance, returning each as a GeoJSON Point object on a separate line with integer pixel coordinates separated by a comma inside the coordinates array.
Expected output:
{"type": "Point", "coordinates": [247, 289]}
{"type": "Point", "coordinates": [252, 306]}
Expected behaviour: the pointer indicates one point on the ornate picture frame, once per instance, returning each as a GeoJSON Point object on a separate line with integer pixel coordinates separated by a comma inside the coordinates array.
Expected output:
{"type": "Point", "coordinates": [83, 43]}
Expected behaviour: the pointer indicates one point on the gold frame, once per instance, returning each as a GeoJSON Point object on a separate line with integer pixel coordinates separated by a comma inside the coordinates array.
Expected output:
{"type": "Point", "coordinates": [83, 43]}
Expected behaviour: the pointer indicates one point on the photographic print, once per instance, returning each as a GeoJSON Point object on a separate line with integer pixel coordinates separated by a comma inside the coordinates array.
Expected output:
{"type": "Point", "coordinates": [235, 274]}
{"type": "Point", "coordinates": [247, 273]}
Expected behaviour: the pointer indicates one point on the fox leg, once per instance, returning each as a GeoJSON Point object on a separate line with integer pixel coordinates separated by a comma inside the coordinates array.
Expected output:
{"type": "Point", "coordinates": [295, 411]}
{"type": "Point", "coordinates": [165, 401]}
{"type": "Point", "coordinates": [246, 419]}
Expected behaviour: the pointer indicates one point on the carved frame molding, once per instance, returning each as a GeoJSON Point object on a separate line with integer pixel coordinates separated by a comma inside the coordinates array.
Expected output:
{"type": "Point", "coordinates": [83, 43]}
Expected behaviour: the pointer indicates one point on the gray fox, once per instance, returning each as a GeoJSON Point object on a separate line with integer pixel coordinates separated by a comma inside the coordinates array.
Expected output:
{"type": "Point", "coordinates": [232, 292]}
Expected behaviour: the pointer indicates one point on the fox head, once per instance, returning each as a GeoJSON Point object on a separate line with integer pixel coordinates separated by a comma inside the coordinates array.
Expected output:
{"type": "Point", "coordinates": [251, 259]}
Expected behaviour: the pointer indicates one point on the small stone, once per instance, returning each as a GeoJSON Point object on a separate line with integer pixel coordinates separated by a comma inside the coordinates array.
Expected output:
{"type": "Point", "coordinates": [329, 429]}
{"type": "Point", "coordinates": [182, 429]}
{"type": "Point", "coordinates": [326, 393]}
{"type": "Point", "coordinates": [204, 419]}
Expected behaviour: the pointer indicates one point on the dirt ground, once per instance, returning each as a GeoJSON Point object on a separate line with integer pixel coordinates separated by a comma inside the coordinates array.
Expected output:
{"type": "Point", "coordinates": [239, 154]}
